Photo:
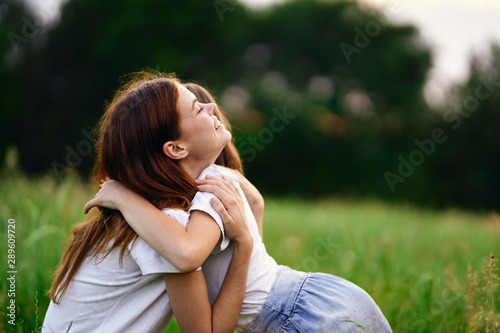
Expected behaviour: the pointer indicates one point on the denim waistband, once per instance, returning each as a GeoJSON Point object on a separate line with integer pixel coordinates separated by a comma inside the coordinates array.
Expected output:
{"type": "Point", "coordinates": [276, 313]}
{"type": "Point", "coordinates": [316, 302]}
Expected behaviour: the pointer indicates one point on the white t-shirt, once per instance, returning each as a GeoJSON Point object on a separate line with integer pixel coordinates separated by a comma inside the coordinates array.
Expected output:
{"type": "Point", "coordinates": [108, 297]}
{"type": "Point", "coordinates": [262, 269]}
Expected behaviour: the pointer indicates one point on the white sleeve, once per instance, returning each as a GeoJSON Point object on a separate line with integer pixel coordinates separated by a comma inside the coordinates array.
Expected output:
{"type": "Point", "coordinates": [150, 261]}
{"type": "Point", "coordinates": [201, 202]}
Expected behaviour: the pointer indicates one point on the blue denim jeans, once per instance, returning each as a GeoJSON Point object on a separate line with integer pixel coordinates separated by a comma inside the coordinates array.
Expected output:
{"type": "Point", "coordinates": [316, 302]}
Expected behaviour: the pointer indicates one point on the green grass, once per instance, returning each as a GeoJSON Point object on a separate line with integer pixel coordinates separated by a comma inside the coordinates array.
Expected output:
{"type": "Point", "coordinates": [427, 270]}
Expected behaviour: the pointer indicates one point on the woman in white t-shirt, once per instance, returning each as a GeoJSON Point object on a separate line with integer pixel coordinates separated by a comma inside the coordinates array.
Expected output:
{"type": "Point", "coordinates": [111, 280]}
{"type": "Point", "coordinates": [277, 298]}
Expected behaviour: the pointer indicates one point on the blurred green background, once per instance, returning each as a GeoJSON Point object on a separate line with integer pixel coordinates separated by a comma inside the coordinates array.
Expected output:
{"type": "Point", "coordinates": [326, 97]}
{"type": "Point", "coordinates": [327, 103]}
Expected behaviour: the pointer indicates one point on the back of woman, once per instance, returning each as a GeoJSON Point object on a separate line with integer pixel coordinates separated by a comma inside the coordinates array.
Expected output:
{"type": "Point", "coordinates": [109, 279]}
{"type": "Point", "coordinates": [108, 296]}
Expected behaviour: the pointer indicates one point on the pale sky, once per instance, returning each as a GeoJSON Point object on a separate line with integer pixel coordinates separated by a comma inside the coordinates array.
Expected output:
{"type": "Point", "coordinates": [455, 30]}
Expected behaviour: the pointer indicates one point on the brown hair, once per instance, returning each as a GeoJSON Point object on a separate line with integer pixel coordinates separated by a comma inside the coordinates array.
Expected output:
{"type": "Point", "coordinates": [141, 117]}
{"type": "Point", "coordinates": [229, 157]}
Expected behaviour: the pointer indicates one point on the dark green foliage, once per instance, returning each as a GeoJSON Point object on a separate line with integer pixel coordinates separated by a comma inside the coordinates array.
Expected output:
{"type": "Point", "coordinates": [343, 138]}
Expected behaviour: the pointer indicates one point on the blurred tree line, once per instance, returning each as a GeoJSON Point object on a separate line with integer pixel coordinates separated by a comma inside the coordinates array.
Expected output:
{"type": "Point", "coordinates": [326, 98]}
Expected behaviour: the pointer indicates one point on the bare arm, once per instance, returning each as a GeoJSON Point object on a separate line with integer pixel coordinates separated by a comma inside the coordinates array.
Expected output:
{"type": "Point", "coordinates": [186, 248]}
{"type": "Point", "coordinates": [189, 297]}
{"type": "Point", "coordinates": [255, 199]}
{"type": "Point", "coordinates": [188, 292]}
{"type": "Point", "coordinates": [224, 316]}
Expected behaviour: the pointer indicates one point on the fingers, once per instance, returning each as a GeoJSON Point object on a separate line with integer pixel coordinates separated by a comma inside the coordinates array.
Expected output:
{"type": "Point", "coordinates": [223, 189]}
{"type": "Point", "coordinates": [219, 208]}
{"type": "Point", "coordinates": [233, 217]}
{"type": "Point", "coordinates": [215, 184]}
{"type": "Point", "coordinates": [95, 201]}
{"type": "Point", "coordinates": [228, 199]}
{"type": "Point", "coordinates": [223, 183]}
{"type": "Point", "coordinates": [90, 204]}
{"type": "Point", "coordinates": [106, 180]}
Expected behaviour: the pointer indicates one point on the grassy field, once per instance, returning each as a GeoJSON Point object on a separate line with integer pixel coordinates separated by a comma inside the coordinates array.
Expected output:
{"type": "Point", "coordinates": [428, 271]}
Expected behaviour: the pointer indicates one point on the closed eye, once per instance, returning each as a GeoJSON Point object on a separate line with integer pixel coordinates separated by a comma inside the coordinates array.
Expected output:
{"type": "Point", "coordinates": [201, 108]}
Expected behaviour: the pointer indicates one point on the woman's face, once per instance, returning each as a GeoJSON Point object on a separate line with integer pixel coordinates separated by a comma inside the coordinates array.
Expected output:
{"type": "Point", "coordinates": [201, 131]}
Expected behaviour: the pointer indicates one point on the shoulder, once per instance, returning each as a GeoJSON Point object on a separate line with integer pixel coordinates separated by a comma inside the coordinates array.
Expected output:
{"type": "Point", "coordinates": [219, 171]}
{"type": "Point", "coordinates": [145, 256]}
{"type": "Point", "coordinates": [141, 248]}
{"type": "Point", "coordinates": [179, 215]}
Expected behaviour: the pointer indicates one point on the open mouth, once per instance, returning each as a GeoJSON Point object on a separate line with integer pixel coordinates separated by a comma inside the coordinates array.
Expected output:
{"type": "Point", "coordinates": [217, 123]}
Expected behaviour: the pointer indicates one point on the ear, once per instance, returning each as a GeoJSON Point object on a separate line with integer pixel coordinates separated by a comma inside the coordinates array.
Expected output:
{"type": "Point", "coordinates": [174, 150]}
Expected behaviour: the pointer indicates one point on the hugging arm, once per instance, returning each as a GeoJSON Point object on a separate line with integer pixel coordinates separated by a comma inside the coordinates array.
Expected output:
{"type": "Point", "coordinates": [189, 296]}
{"type": "Point", "coordinates": [187, 291]}
{"type": "Point", "coordinates": [255, 199]}
{"type": "Point", "coordinates": [185, 248]}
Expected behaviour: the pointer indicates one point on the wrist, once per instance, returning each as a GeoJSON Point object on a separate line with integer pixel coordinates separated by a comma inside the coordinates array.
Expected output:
{"type": "Point", "coordinates": [125, 199]}
{"type": "Point", "coordinates": [244, 243]}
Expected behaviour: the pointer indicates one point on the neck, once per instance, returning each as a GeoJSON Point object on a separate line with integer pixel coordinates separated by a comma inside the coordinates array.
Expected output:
{"type": "Point", "coordinates": [194, 168]}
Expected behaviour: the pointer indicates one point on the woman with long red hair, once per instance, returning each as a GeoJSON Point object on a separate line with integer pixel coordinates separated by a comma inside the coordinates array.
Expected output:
{"type": "Point", "coordinates": [277, 298]}
{"type": "Point", "coordinates": [111, 280]}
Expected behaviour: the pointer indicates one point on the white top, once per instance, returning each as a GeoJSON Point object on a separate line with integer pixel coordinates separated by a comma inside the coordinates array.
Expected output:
{"type": "Point", "coordinates": [105, 296]}
{"type": "Point", "coordinates": [262, 270]}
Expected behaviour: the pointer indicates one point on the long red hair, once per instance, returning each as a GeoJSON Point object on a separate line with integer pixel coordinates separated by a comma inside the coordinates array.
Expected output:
{"type": "Point", "coordinates": [141, 117]}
